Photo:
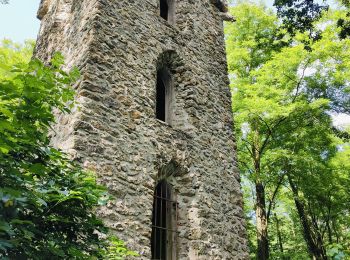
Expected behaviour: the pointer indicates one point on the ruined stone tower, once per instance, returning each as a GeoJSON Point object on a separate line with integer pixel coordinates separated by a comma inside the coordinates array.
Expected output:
{"type": "Point", "coordinates": [154, 120]}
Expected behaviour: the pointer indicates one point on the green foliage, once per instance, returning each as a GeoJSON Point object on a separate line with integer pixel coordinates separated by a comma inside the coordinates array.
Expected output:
{"type": "Point", "coordinates": [337, 252]}
{"type": "Point", "coordinates": [47, 201]}
{"type": "Point", "coordinates": [117, 250]}
{"type": "Point", "coordinates": [292, 241]}
{"type": "Point", "coordinates": [300, 15]}
{"type": "Point", "coordinates": [344, 22]}
{"type": "Point", "coordinates": [282, 96]}
{"type": "Point", "coordinates": [14, 53]}
{"type": "Point", "coordinates": [252, 39]}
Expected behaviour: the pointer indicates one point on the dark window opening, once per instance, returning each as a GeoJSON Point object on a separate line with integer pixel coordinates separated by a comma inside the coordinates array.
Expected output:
{"type": "Point", "coordinates": [221, 5]}
{"type": "Point", "coordinates": [160, 103]}
{"type": "Point", "coordinates": [164, 99]}
{"type": "Point", "coordinates": [163, 219]}
{"type": "Point", "coordinates": [164, 9]}
{"type": "Point", "coordinates": [167, 10]}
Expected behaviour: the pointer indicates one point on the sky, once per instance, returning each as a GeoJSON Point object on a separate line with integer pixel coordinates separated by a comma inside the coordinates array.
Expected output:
{"type": "Point", "coordinates": [18, 19]}
{"type": "Point", "coordinates": [18, 22]}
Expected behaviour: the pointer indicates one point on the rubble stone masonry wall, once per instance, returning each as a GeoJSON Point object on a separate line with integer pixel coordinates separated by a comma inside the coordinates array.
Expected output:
{"type": "Point", "coordinates": [118, 46]}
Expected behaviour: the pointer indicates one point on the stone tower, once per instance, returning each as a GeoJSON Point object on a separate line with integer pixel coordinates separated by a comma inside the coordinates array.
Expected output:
{"type": "Point", "coordinates": [154, 120]}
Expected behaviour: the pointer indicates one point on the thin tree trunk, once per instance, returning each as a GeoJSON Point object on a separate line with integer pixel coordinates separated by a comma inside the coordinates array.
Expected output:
{"type": "Point", "coordinates": [315, 247]}
{"type": "Point", "coordinates": [271, 202]}
{"type": "Point", "coordinates": [335, 232]}
{"type": "Point", "coordinates": [261, 217]}
{"type": "Point", "coordinates": [328, 223]}
{"type": "Point", "coordinates": [330, 234]}
{"type": "Point", "coordinates": [279, 235]}
{"type": "Point", "coordinates": [261, 222]}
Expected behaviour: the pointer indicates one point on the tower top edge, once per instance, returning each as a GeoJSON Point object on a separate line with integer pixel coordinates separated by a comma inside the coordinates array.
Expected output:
{"type": "Point", "coordinates": [222, 6]}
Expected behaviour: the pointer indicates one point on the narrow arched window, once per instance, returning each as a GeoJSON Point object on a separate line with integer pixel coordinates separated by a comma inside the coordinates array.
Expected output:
{"type": "Point", "coordinates": [167, 10]}
{"type": "Point", "coordinates": [163, 239]}
{"type": "Point", "coordinates": [164, 9]}
{"type": "Point", "coordinates": [164, 96]}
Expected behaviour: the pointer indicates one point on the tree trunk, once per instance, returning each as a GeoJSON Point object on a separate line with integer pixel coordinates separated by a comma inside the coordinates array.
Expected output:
{"type": "Point", "coordinates": [261, 222]}
{"type": "Point", "coordinates": [329, 231]}
{"type": "Point", "coordinates": [330, 237]}
{"type": "Point", "coordinates": [315, 247]}
{"type": "Point", "coordinates": [261, 217]}
{"type": "Point", "coordinates": [279, 235]}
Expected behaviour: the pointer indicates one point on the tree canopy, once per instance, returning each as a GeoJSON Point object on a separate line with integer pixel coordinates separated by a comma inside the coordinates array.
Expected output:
{"type": "Point", "coordinates": [284, 89]}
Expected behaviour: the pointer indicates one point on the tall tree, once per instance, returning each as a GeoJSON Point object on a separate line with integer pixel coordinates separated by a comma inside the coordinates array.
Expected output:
{"type": "Point", "coordinates": [251, 42]}
{"type": "Point", "coordinates": [279, 93]}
